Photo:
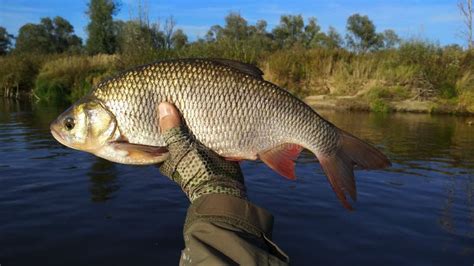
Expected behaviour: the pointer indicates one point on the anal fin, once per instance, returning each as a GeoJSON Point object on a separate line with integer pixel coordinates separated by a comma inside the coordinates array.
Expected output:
{"type": "Point", "coordinates": [282, 159]}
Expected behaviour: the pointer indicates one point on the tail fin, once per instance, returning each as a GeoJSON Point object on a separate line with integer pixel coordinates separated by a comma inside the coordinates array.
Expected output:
{"type": "Point", "coordinates": [339, 166]}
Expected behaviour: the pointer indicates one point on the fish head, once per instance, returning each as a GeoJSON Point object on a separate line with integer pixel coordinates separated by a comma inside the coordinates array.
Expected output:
{"type": "Point", "coordinates": [87, 125]}
{"type": "Point", "coordinates": [90, 126]}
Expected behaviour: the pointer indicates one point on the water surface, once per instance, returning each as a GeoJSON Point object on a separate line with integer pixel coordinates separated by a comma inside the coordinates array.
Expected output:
{"type": "Point", "coordinates": [59, 206]}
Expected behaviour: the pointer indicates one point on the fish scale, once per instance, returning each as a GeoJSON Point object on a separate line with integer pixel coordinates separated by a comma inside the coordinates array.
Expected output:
{"type": "Point", "coordinates": [232, 110]}
{"type": "Point", "coordinates": [204, 91]}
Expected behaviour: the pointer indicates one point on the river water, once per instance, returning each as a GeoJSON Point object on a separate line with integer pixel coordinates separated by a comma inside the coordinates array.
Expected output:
{"type": "Point", "coordinates": [59, 206]}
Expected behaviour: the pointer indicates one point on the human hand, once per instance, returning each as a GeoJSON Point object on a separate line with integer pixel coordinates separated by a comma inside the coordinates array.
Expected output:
{"type": "Point", "coordinates": [198, 170]}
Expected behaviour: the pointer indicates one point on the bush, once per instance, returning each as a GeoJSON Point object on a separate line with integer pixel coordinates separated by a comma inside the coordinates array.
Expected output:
{"type": "Point", "coordinates": [18, 74]}
{"type": "Point", "coordinates": [379, 106]}
{"type": "Point", "coordinates": [466, 100]}
{"type": "Point", "coordinates": [396, 93]}
{"type": "Point", "coordinates": [69, 78]}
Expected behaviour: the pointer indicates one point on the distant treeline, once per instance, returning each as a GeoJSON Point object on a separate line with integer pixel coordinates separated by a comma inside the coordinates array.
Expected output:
{"type": "Point", "coordinates": [50, 62]}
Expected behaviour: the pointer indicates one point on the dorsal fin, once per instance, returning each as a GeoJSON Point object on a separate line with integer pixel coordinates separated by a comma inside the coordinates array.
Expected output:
{"type": "Point", "coordinates": [242, 67]}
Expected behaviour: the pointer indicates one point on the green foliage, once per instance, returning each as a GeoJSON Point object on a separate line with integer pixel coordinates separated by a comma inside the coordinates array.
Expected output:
{"type": "Point", "coordinates": [71, 77]}
{"type": "Point", "coordinates": [295, 55]}
{"type": "Point", "coordinates": [288, 69]}
{"type": "Point", "coordinates": [332, 40]}
{"type": "Point", "coordinates": [50, 36]}
{"type": "Point", "coordinates": [236, 40]}
{"type": "Point", "coordinates": [289, 31]}
{"type": "Point", "coordinates": [388, 93]}
{"type": "Point", "coordinates": [379, 106]}
{"type": "Point", "coordinates": [313, 37]}
{"type": "Point", "coordinates": [33, 38]}
{"type": "Point", "coordinates": [18, 73]}
{"type": "Point", "coordinates": [62, 35]}
{"type": "Point", "coordinates": [379, 97]}
{"type": "Point", "coordinates": [466, 99]}
{"type": "Point", "coordinates": [293, 31]}
{"type": "Point", "coordinates": [5, 41]}
{"type": "Point", "coordinates": [139, 43]}
{"type": "Point", "coordinates": [179, 39]}
{"type": "Point", "coordinates": [390, 39]}
{"type": "Point", "coordinates": [102, 38]}
{"type": "Point", "coordinates": [361, 35]}
{"type": "Point", "coordinates": [53, 90]}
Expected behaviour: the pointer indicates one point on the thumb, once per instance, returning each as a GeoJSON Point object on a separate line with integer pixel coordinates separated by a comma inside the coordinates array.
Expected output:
{"type": "Point", "coordinates": [169, 116]}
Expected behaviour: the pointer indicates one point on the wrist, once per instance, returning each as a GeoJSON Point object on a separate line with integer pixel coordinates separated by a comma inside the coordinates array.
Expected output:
{"type": "Point", "coordinates": [218, 185]}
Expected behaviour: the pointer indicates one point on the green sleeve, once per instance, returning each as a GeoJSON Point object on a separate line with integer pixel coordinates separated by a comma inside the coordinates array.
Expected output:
{"type": "Point", "coordinates": [222, 230]}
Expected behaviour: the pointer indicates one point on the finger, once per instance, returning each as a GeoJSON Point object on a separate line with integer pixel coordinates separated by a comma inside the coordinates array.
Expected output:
{"type": "Point", "coordinates": [169, 116]}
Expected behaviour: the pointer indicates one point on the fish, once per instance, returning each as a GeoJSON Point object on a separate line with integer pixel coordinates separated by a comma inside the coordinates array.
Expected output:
{"type": "Point", "coordinates": [228, 107]}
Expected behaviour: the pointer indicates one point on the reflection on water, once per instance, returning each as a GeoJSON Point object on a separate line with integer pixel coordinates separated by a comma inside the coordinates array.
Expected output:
{"type": "Point", "coordinates": [102, 176]}
{"type": "Point", "coordinates": [427, 146]}
{"type": "Point", "coordinates": [420, 211]}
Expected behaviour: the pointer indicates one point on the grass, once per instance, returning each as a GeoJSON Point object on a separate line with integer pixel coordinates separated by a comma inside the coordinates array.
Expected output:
{"type": "Point", "coordinates": [466, 100]}
{"type": "Point", "coordinates": [417, 70]}
{"type": "Point", "coordinates": [71, 77]}
{"type": "Point", "coordinates": [379, 106]}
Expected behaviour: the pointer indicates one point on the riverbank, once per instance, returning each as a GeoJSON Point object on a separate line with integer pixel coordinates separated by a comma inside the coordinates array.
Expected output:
{"type": "Point", "coordinates": [358, 103]}
{"type": "Point", "coordinates": [416, 77]}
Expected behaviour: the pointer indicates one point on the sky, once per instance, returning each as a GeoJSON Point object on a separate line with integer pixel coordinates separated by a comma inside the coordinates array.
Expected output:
{"type": "Point", "coordinates": [438, 21]}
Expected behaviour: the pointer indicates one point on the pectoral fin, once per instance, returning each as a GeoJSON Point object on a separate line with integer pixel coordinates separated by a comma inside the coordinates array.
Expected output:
{"type": "Point", "coordinates": [129, 153]}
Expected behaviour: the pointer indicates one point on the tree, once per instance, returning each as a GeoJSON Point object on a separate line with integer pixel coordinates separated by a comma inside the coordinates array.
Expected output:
{"type": "Point", "coordinates": [289, 31]}
{"type": "Point", "coordinates": [64, 37]}
{"type": "Point", "coordinates": [214, 33]}
{"type": "Point", "coordinates": [101, 27]}
{"type": "Point", "coordinates": [261, 27]}
{"type": "Point", "coordinates": [5, 41]}
{"type": "Point", "coordinates": [170, 23]}
{"type": "Point", "coordinates": [61, 34]}
{"type": "Point", "coordinates": [237, 39]}
{"type": "Point", "coordinates": [33, 38]}
{"type": "Point", "coordinates": [332, 39]}
{"type": "Point", "coordinates": [139, 42]}
{"type": "Point", "coordinates": [390, 39]}
{"type": "Point", "coordinates": [179, 39]}
{"type": "Point", "coordinates": [362, 36]}
{"type": "Point", "coordinates": [50, 36]}
{"type": "Point", "coordinates": [467, 10]}
{"type": "Point", "coordinates": [236, 27]}
{"type": "Point", "coordinates": [313, 36]}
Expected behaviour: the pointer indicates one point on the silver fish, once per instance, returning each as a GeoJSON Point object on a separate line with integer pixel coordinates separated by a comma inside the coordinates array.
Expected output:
{"type": "Point", "coordinates": [227, 105]}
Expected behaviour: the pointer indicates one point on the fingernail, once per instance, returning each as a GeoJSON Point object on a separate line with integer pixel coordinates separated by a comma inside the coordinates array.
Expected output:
{"type": "Point", "coordinates": [164, 110]}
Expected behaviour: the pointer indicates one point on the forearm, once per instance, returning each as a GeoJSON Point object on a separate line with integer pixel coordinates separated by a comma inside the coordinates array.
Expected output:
{"type": "Point", "coordinates": [222, 229]}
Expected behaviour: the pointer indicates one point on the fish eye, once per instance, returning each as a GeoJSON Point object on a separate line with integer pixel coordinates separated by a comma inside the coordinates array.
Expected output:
{"type": "Point", "coordinates": [69, 123]}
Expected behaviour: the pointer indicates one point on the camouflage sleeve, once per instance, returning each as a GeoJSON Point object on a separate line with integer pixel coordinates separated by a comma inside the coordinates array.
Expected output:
{"type": "Point", "coordinates": [222, 227]}
{"type": "Point", "coordinates": [223, 230]}
{"type": "Point", "coordinates": [198, 170]}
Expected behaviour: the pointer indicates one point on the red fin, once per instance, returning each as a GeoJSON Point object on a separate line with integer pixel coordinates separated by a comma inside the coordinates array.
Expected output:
{"type": "Point", "coordinates": [339, 166]}
{"type": "Point", "coordinates": [341, 176]}
{"type": "Point", "coordinates": [282, 159]}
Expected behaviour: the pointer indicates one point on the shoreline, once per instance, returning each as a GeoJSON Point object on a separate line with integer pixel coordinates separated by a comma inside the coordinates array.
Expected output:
{"type": "Point", "coordinates": [353, 103]}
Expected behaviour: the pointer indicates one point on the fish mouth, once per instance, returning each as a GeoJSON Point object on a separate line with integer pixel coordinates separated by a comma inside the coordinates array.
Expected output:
{"type": "Point", "coordinates": [56, 134]}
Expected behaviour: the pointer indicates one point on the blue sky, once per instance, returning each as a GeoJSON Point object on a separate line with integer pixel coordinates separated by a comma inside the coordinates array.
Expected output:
{"type": "Point", "coordinates": [435, 20]}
